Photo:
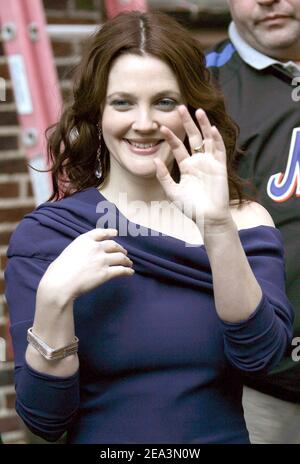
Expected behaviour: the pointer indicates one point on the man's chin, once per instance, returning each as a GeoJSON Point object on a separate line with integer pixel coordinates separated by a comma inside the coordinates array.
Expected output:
{"type": "Point", "coordinates": [275, 41]}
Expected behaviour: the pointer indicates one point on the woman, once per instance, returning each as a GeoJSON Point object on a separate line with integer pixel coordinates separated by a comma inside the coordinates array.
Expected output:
{"type": "Point", "coordinates": [172, 310]}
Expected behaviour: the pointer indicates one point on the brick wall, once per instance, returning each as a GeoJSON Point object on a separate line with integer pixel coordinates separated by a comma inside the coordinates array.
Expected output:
{"type": "Point", "coordinates": [16, 195]}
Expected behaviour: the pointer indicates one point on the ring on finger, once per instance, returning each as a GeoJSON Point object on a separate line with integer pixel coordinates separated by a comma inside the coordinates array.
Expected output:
{"type": "Point", "coordinates": [200, 148]}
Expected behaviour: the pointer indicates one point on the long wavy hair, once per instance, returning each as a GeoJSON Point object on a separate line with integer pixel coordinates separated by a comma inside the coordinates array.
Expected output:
{"type": "Point", "coordinates": [73, 141]}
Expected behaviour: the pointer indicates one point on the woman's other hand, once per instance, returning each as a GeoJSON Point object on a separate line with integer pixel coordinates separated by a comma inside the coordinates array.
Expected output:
{"type": "Point", "coordinates": [90, 260]}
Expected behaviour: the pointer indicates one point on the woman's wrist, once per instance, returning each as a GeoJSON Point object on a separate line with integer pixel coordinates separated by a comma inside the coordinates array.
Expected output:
{"type": "Point", "coordinates": [220, 229]}
{"type": "Point", "coordinates": [54, 297]}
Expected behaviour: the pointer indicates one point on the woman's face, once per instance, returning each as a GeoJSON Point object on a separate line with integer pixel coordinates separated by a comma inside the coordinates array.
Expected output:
{"type": "Point", "coordinates": [142, 94]}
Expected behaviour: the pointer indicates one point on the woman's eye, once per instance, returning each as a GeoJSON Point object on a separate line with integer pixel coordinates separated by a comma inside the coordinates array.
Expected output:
{"type": "Point", "coordinates": [120, 103]}
{"type": "Point", "coordinates": [168, 103]}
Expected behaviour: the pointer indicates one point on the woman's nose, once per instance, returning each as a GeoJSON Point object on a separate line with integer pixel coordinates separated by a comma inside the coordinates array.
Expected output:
{"type": "Point", "coordinates": [144, 121]}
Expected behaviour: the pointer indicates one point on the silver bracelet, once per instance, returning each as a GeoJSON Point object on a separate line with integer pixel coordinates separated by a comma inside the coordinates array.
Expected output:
{"type": "Point", "coordinates": [46, 351]}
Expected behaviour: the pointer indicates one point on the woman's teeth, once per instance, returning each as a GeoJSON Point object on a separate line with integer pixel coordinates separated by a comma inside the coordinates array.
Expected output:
{"type": "Point", "coordinates": [143, 145]}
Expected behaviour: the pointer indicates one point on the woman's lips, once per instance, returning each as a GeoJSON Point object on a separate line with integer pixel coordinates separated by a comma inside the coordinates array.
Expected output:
{"type": "Point", "coordinates": [143, 151]}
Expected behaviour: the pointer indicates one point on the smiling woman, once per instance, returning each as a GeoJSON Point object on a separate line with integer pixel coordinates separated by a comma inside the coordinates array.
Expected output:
{"type": "Point", "coordinates": [116, 76]}
{"type": "Point", "coordinates": [160, 328]}
{"type": "Point", "coordinates": [134, 138]}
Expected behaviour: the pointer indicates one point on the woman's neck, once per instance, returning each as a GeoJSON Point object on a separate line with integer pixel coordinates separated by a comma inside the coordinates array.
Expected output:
{"type": "Point", "coordinates": [134, 188]}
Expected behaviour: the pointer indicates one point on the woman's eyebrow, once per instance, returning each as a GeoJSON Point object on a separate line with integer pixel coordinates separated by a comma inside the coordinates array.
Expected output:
{"type": "Point", "coordinates": [159, 94]}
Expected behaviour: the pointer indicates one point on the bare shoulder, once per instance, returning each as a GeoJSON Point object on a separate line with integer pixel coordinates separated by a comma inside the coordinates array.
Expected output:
{"type": "Point", "coordinates": [251, 214]}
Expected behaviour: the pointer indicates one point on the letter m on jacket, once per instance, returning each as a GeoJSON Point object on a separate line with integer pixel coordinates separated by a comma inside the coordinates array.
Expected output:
{"type": "Point", "coordinates": [282, 186]}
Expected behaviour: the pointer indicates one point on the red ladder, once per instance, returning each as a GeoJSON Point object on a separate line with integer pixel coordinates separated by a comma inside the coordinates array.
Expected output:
{"type": "Point", "coordinates": [113, 7]}
{"type": "Point", "coordinates": [34, 80]}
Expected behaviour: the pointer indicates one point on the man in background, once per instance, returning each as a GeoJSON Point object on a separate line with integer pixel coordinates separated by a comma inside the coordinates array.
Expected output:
{"type": "Point", "coordinates": [258, 70]}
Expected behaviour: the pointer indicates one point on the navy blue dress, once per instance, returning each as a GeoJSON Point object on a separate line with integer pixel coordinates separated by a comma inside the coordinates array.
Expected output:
{"type": "Point", "coordinates": [157, 364]}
